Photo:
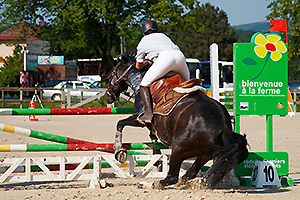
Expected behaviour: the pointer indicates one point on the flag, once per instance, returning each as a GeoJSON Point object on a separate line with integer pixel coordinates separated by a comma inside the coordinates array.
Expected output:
{"type": "Point", "coordinates": [279, 25]}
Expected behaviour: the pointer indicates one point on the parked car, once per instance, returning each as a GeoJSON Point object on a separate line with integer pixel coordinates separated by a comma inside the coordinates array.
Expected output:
{"type": "Point", "coordinates": [56, 94]}
{"type": "Point", "coordinates": [51, 83]}
{"type": "Point", "coordinates": [95, 84]}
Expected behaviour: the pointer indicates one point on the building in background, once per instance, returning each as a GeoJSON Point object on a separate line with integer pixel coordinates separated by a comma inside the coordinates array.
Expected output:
{"type": "Point", "coordinates": [16, 35]}
{"type": "Point", "coordinates": [36, 51]}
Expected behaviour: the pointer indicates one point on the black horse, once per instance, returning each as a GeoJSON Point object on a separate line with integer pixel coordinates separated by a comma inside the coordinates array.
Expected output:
{"type": "Point", "coordinates": [197, 127]}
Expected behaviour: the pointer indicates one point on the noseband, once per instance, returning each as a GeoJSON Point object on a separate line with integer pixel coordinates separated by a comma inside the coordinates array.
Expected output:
{"type": "Point", "coordinates": [112, 90]}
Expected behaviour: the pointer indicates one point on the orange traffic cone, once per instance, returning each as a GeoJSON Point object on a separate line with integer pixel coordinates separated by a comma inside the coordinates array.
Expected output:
{"type": "Point", "coordinates": [32, 106]}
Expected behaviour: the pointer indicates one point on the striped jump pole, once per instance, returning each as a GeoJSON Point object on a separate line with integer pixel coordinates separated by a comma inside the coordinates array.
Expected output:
{"type": "Point", "coordinates": [66, 111]}
{"type": "Point", "coordinates": [73, 143]}
{"type": "Point", "coordinates": [68, 140]}
{"type": "Point", "coordinates": [81, 147]}
{"type": "Point", "coordinates": [41, 135]}
{"type": "Point", "coordinates": [45, 136]}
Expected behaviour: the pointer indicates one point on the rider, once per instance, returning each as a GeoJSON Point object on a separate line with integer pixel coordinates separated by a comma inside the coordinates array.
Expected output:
{"type": "Point", "coordinates": [158, 49]}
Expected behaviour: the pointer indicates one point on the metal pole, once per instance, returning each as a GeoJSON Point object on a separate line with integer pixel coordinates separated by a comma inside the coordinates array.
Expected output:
{"type": "Point", "coordinates": [25, 59]}
{"type": "Point", "coordinates": [122, 41]}
{"type": "Point", "coordinates": [269, 133]}
{"type": "Point", "coordinates": [237, 123]}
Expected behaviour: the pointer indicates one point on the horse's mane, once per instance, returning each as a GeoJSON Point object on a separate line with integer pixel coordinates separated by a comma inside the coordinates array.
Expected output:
{"type": "Point", "coordinates": [127, 58]}
{"type": "Point", "coordinates": [135, 75]}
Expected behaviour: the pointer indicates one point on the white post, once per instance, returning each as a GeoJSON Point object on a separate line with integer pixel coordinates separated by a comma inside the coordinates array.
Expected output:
{"type": "Point", "coordinates": [25, 60]}
{"type": "Point", "coordinates": [197, 73]}
{"type": "Point", "coordinates": [68, 98]}
{"type": "Point", "coordinates": [214, 71]}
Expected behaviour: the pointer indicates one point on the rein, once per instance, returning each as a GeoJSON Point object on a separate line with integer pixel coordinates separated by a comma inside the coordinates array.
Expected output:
{"type": "Point", "coordinates": [111, 89]}
{"type": "Point", "coordinates": [124, 73]}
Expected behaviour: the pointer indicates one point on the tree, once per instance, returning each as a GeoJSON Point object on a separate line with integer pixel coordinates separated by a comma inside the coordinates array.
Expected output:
{"type": "Point", "coordinates": [281, 9]}
{"type": "Point", "coordinates": [243, 36]}
{"type": "Point", "coordinates": [294, 71]}
{"type": "Point", "coordinates": [10, 72]}
{"type": "Point", "coordinates": [212, 27]}
{"type": "Point", "coordinates": [92, 27]}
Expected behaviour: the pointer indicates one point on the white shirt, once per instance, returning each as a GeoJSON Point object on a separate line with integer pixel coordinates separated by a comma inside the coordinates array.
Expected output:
{"type": "Point", "coordinates": [151, 45]}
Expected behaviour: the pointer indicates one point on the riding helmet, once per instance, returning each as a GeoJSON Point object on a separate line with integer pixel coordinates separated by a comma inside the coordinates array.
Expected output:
{"type": "Point", "coordinates": [149, 25]}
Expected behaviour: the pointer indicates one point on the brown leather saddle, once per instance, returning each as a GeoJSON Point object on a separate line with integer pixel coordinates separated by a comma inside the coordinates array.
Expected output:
{"type": "Point", "coordinates": [164, 98]}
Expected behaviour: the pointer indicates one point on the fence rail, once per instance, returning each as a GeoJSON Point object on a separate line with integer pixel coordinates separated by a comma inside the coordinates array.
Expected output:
{"type": "Point", "coordinates": [67, 101]}
{"type": "Point", "coordinates": [4, 91]}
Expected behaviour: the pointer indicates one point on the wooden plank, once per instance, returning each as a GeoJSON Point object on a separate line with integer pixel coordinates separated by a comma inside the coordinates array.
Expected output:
{"type": "Point", "coordinates": [11, 169]}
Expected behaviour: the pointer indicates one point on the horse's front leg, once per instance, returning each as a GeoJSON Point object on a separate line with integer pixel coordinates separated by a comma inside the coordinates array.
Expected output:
{"type": "Point", "coordinates": [120, 153]}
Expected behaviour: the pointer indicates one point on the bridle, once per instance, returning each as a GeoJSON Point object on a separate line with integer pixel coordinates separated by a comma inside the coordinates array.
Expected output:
{"type": "Point", "coordinates": [115, 87]}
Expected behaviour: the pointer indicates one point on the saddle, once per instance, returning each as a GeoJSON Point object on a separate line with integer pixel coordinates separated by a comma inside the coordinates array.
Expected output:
{"type": "Point", "coordinates": [168, 91]}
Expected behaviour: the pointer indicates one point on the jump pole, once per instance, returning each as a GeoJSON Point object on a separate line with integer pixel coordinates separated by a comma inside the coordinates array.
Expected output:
{"type": "Point", "coordinates": [41, 135]}
{"type": "Point", "coordinates": [57, 138]}
{"type": "Point", "coordinates": [73, 143]}
{"type": "Point", "coordinates": [81, 147]}
{"type": "Point", "coordinates": [68, 140]}
{"type": "Point", "coordinates": [66, 111]}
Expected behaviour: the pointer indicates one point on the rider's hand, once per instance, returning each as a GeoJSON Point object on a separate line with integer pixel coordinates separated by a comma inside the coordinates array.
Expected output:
{"type": "Point", "coordinates": [147, 63]}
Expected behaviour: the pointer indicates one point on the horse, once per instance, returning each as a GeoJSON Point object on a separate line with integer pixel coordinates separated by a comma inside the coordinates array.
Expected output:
{"type": "Point", "coordinates": [198, 127]}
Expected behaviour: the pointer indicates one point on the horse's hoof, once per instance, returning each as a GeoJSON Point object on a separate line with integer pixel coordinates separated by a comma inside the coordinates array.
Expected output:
{"type": "Point", "coordinates": [157, 185]}
{"type": "Point", "coordinates": [121, 155]}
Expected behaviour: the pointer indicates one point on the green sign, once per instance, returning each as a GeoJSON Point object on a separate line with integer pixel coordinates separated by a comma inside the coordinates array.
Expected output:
{"type": "Point", "coordinates": [280, 160]}
{"type": "Point", "coordinates": [261, 76]}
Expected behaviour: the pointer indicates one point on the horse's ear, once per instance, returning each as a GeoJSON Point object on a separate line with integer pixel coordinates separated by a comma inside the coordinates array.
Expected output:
{"type": "Point", "coordinates": [120, 58]}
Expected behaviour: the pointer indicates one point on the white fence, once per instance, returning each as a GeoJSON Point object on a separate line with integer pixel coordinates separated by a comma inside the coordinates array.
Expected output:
{"type": "Point", "coordinates": [19, 169]}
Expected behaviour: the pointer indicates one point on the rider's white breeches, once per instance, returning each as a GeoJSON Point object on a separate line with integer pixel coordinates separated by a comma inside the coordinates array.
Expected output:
{"type": "Point", "coordinates": [172, 60]}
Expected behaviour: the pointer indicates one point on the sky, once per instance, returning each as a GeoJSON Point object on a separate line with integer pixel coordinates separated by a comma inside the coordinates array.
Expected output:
{"type": "Point", "coordinates": [242, 11]}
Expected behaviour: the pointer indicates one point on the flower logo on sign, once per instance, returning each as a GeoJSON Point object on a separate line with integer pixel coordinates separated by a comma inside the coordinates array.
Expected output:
{"type": "Point", "coordinates": [269, 46]}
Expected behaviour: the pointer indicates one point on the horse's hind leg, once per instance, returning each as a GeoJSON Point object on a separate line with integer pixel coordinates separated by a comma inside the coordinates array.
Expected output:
{"type": "Point", "coordinates": [230, 158]}
{"type": "Point", "coordinates": [195, 168]}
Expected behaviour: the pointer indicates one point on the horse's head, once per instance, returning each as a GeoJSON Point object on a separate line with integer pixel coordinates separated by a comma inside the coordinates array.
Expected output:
{"type": "Point", "coordinates": [118, 81]}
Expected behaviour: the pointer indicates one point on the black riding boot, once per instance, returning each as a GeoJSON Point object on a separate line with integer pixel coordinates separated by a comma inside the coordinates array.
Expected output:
{"type": "Point", "coordinates": [146, 98]}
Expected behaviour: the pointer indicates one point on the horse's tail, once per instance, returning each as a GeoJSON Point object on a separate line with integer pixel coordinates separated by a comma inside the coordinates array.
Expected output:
{"type": "Point", "coordinates": [233, 154]}
{"type": "Point", "coordinates": [242, 150]}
